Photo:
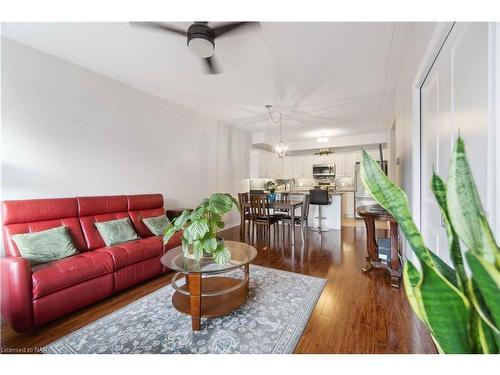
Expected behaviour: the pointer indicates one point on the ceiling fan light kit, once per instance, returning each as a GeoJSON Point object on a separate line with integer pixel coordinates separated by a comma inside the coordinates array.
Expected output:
{"type": "Point", "coordinates": [200, 38]}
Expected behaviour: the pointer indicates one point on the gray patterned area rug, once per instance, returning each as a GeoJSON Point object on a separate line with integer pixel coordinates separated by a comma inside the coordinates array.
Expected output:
{"type": "Point", "coordinates": [271, 321]}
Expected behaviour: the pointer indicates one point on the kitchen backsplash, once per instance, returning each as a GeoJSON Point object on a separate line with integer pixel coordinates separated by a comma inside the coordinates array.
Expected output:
{"type": "Point", "coordinates": [342, 183]}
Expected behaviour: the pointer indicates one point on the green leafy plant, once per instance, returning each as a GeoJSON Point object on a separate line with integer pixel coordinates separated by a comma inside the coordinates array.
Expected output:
{"type": "Point", "coordinates": [271, 186]}
{"type": "Point", "coordinates": [461, 309]}
{"type": "Point", "coordinates": [200, 227]}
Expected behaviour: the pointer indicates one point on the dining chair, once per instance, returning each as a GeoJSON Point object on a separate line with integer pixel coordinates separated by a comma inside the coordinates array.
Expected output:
{"type": "Point", "coordinates": [282, 197]}
{"type": "Point", "coordinates": [244, 198]}
{"type": "Point", "coordinates": [260, 214]}
{"type": "Point", "coordinates": [299, 220]}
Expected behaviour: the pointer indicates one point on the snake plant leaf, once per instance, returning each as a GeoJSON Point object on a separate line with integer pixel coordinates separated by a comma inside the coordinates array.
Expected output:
{"type": "Point", "coordinates": [209, 243]}
{"type": "Point", "coordinates": [444, 269]}
{"type": "Point", "coordinates": [447, 311]}
{"type": "Point", "coordinates": [220, 203]}
{"type": "Point", "coordinates": [487, 279]}
{"type": "Point", "coordinates": [222, 254]}
{"type": "Point", "coordinates": [465, 209]}
{"type": "Point", "coordinates": [394, 200]}
{"type": "Point", "coordinates": [484, 339]}
{"type": "Point", "coordinates": [485, 336]}
{"type": "Point", "coordinates": [411, 278]}
{"type": "Point", "coordinates": [439, 190]}
{"type": "Point", "coordinates": [197, 229]}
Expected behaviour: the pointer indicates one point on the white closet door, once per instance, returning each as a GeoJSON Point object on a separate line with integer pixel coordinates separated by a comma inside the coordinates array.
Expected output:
{"type": "Point", "coordinates": [454, 98]}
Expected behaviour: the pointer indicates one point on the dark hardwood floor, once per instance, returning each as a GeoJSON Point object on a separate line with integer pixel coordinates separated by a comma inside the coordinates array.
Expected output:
{"type": "Point", "coordinates": [356, 313]}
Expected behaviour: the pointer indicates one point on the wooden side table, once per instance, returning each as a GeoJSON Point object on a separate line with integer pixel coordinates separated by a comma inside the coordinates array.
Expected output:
{"type": "Point", "coordinates": [373, 259]}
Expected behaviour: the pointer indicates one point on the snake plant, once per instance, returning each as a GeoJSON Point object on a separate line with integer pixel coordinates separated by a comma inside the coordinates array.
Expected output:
{"type": "Point", "coordinates": [459, 305]}
{"type": "Point", "coordinates": [200, 226]}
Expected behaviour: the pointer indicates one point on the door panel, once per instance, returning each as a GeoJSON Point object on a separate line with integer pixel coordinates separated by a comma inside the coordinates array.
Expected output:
{"type": "Point", "coordinates": [454, 99]}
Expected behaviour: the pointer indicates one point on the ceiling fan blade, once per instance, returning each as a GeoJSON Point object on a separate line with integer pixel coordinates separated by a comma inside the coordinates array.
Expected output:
{"type": "Point", "coordinates": [210, 65]}
{"type": "Point", "coordinates": [159, 26]}
{"type": "Point", "coordinates": [223, 29]}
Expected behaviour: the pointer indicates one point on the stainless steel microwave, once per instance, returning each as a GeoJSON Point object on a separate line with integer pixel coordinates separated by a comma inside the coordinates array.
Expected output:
{"type": "Point", "coordinates": [323, 170]}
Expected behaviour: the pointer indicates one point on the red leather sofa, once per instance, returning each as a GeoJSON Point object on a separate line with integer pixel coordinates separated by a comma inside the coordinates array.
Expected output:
{"type": "Point", "coordinates": [32, 296]}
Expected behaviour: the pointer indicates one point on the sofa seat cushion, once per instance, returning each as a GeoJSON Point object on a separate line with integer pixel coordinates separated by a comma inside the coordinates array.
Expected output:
{"type": "Point", "coordinates": [63, 273]}
{"type": "Point", "coordinates": [133, 252]}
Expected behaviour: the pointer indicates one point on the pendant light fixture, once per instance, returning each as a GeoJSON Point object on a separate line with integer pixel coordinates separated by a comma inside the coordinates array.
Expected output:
{"type": "Point", "coordinates": [280, 149]}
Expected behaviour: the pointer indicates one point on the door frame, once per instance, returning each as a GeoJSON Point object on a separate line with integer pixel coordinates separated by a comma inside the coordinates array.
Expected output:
{"type": "Point", "coordinates": [438, 38]}
{"type": "Point", "coordinates": [440, 34]}
{"type": "Point", "coordinates": [494, 127]}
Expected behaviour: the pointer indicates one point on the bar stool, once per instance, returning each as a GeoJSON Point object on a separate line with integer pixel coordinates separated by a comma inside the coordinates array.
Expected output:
{"type": "Point", "coordinates": [320, 198]}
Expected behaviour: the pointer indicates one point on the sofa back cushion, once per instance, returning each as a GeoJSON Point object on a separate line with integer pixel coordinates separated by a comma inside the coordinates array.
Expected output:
{"type": "Point", "coordinates": [34, 215]}
{"type": "Point", "coordinates": [116, 231]}
{"type": "Point", "coordinates": [157, 224]}
{"type": "Point", "coordinates": [144, 206]}
{"type": "Point", "coordinates": [97, 209]}
{"type": "Point", "coordinates": [46, 245]}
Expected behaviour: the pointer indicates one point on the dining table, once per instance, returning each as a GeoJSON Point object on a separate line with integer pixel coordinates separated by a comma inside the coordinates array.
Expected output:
{"type": "Point", "coordinates": [288, 205]}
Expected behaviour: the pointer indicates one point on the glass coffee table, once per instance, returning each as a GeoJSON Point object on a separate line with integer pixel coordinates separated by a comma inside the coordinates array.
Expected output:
{"type": "Point", "coordinates": [206, 292]}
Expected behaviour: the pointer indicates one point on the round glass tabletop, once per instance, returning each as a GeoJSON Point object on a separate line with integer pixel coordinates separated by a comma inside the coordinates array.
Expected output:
{"type": "Point", "coordinates": [241, 254]}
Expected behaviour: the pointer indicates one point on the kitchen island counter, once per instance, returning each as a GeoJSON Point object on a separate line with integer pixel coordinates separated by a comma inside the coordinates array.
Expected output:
{"type": "Point", "coordinates": [332, 212]}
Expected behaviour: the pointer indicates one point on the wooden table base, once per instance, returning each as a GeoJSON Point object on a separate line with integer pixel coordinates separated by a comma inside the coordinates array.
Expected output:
{"type": "Point", "coordinates": [198, 305]}
{"type": "Point", "coordinates": [373, 259]}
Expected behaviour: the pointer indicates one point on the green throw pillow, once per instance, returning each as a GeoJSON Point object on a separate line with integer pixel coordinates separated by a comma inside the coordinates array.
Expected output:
{"type": "Point", "coordinates": [157, 224]}
{"type": "Point", "coordinates": [116, 231]}
{"type": "Point", "coordinates": [46, 245]}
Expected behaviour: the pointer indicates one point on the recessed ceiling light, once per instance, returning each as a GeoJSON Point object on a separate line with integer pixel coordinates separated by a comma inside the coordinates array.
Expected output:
{"type": "Point", "coordinates": [322, 139]}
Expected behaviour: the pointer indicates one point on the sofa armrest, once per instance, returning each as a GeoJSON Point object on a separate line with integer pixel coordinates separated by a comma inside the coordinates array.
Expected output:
{"type": "Point", "coordinates": [175, 240]}
{"type": "Point", "coordinates": [16, 292]}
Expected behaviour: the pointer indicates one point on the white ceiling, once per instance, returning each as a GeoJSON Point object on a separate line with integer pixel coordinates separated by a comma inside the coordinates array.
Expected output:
{"type": "Point", "coordinates": [332, 78]}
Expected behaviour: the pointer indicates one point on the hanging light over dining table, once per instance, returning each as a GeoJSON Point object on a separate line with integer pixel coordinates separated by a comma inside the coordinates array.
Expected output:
{"type": "Point", "coordinates": [281, 148]}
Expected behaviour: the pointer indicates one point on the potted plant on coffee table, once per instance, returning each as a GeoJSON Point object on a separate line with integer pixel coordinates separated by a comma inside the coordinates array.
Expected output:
{"type": "Point", "coordinates": [200, 227]}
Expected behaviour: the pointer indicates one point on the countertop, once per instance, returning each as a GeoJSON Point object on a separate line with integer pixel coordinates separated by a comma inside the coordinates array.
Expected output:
{"type": "Point", "coordinates": [306, 191]}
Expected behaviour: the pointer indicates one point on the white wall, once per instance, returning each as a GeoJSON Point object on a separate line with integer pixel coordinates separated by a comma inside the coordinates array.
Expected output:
{"type": "Point", "coordinates": [67, 131]}
{"type": "Point", "coordinates": [405, 111]}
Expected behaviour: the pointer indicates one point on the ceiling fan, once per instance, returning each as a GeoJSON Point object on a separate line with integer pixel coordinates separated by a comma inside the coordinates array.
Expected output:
{"type": "Point", "coordinates": [200, 38]}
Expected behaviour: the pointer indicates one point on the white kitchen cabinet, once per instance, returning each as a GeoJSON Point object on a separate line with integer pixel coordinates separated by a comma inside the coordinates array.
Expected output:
{"type": "Point", "coordinates": [297, 166]}
{"type": "Point", "coordinates": [307, 166]}
{"type": "Point", "coordinates": [276, 167]}
{"type": "Point", "coordinates": [338, 160]}
{"type": "Point", "coordinates": [347, 162]}
{"type": "Point", "coordinates": [303, 166]}
{"type": "Point", "coordinates": [323, 159]}
{"type": "Point", "coordinates": [288, 166]}
{"type": "Point", "coordinates": [260, 164]}
{"type": "Point", "coordinates": [264, 164]}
